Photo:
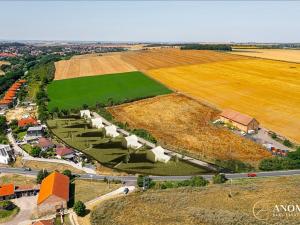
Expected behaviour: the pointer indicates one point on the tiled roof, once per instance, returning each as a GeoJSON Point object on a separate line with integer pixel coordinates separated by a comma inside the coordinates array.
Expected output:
{"type": "Point", "coordinates": [7, 189]}
{"type": "Point", "coordinates": [236, 117]}
{"type": "Point", "coordinates": [61, 151]}
{"type": "Point", "coordinates": [44, 142]}
{"type": "Point", "coordinates": [27, 121]}
{"type": "Point", "coordinates": [44, 222]}
{"type": "Point", "coordinates": [55, 184]}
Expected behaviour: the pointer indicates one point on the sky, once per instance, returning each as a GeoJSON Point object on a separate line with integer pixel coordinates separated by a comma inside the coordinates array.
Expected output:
{"type": "Point", "coordinates": [151, 21]}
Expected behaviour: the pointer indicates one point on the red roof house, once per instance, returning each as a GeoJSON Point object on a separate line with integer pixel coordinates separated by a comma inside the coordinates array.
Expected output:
{"type": "Point", "coordinates": [27, 122]}
{"type": "Point", "coordinates": [7, 190]}
{"type": "Point", "coordinates": [63, 151]}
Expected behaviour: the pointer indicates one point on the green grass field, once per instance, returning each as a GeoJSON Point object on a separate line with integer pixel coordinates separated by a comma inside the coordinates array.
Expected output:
{"type": "Point", "coordinates": [73, 93]}
{"type": "Point", "coordinates": [109, 152]}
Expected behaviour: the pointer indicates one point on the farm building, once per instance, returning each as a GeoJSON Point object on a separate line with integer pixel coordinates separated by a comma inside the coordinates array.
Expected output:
{"type": "Point", "coordinates": [157, 154]}
{"type": "Point", "coordinates": [6, 154]}
{"type": "Point", "coordinates": [85, 114]}
{"type": "Point", "coordinates": [54, 193]}
{"type": "Point", "coordinates": [131, 142]}
{"type": "Point", "coordinates": [110, 131]}
{"type": "Point", "coordinates": [97, 123]}
{"type": "Point", "coordinates": [10, 191]}
{"type": "Point", "coordinates": [241, 121]}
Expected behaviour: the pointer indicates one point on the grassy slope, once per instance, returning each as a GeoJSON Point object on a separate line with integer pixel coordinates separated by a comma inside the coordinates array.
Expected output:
{"type": "Point", "coordinates": [207, 205]}
{"type": "Point", "coordinates": [73, 93]}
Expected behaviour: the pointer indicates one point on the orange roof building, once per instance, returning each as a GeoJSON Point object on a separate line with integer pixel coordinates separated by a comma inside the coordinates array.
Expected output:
{"type": "Point", "coordinates": [7, 190]}
{"type": "Point", "coordinates": [239, 120]}
{"type": "Point", "coordinates": [44, 222]}
{"type": "Point", "coordinates": [27, 122]}
{"type": "Point", "coordinates": [54, 193]}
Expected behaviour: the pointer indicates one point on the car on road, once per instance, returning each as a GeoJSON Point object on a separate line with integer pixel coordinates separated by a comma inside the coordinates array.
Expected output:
{"type": "Point", "coordinates": [27, 169]}
{"type": "Point", "coordinates": [251, 175]}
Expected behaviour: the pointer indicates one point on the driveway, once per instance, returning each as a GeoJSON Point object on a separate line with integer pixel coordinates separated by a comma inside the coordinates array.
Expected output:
{"type": "Point", "coordinates": [26, 205]}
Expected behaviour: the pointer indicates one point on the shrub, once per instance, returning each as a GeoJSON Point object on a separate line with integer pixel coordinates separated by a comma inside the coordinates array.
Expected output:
{"type": "Point", "coordinates": [196, 181]}
{"type": "Point", "coordinates": [41, 175]}
{"type": "Point", "coordinates": [79, 208]}
{"type": "Point", "coordinates": [234, 165]}
{"type": "Point", "coordinates": [35, 152]}
{"type": "Point", "coordinates": [219, 178]}
{"type": "Point", "coordinates": [287, 143]}
{"type": "Point", "coordinates": [68, 173]}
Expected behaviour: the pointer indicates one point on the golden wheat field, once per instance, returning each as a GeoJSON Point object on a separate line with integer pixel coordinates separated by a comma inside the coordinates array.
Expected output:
{"type": "Point", "coordinates": [152, 59]}
{"type": "Point", "coordinates": [181, 123]}
{"type": "Point", "coordinates": [277, 54]}
{"type": "Point", "coordinates": [89, 66]}
{"type": "Point", "coordinates": [265, 89]}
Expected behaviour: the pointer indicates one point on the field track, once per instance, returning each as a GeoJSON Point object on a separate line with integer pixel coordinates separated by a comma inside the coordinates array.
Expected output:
{"type": "Point", "coordinates": [276, 54]}
{"type": "Point", "coordinates": [89, 66]}
{"type": "Point", "coordinates": [180, 122]}
{"type": "Point", "coordinates": [153, 59]}
{"type": "Point", "coordinates": [268, 90]}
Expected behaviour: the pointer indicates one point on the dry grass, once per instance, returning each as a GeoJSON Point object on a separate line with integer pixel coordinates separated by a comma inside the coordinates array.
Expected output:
{"type": "Point", "coordinates": [179, 122]}
{"type": "Point", "coordinates": [277, 54]}
{"type": "Point", "coordinates": [84, 193]}
{"type": "Point", "coordinates": [196, 206]}
{"type": "Point", "coordinates": [18, 113]}
{"type": "Point", "coordinates": [265, 89]}
{"type": "Point", "coordinates": [17, 179]}
{"type": "Point", "coordinates": [152, 59]}
{"type": "Point", "coordinates": [89, 66]}
{"type": "Point", "coordinates": [3, 63]}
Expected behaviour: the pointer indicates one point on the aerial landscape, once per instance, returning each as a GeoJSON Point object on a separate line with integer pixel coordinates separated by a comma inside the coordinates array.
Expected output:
{"type": "Point", "coordinates": [157, 120]}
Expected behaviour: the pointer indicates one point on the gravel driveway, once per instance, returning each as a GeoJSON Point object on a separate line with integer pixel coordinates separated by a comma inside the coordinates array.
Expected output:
{"type": "Point", "coordinates": [26, 205]}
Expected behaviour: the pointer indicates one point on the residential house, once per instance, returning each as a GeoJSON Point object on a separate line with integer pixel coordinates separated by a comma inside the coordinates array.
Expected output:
{"type": "Point", "coordinates": [34, 133]}
{"type": "Point", "coordinates": [45, 143]}
{"type": "Point", "coordinates": [64, 152]}
{"type": "Point", "coordinates": [110, 131]}
{"type": "Point", "coordinates": [27, 122]}
{"type": "Point", "coordinates": [44, 222]}
{"type": "Point", "coordinates": [7, 191]}
{"type": "Point", "coordinates": [157, 154]}
{"type": "Point", "coordinates": [85, 114]}
{"type": "Point", "coordinates": [131, 142]}
{"type": "Point", "coordinates": [54, 193]}
{"type": "Point", "coordinates": [241, 121]}
{"type": "Point", "coordinates": [6, 154]}
{"type": "Point", "coordinates": [97, 123]}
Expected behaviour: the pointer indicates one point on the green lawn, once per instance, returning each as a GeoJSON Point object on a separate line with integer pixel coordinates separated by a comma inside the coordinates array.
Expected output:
{"type": "Point", "coordinates": [21, 135]}
{"type": "Point", "coordinates": [6, 215]}
{"type": "Point", "coordinates": [110, 153]}
{"type": "Point", "coordinates": [73, 93]}
{"type": "Point", "coordinates": [27, 148]}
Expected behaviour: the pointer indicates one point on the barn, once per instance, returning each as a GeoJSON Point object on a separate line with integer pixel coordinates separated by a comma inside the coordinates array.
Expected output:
{"type": "Point", "coordinates": [241, 121]}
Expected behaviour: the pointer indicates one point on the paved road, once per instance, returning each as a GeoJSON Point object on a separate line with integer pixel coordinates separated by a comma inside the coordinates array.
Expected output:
{"type": "Point", "coordinates": [15, 146]}
{"type": "Point", "coordinates": [132, 179]}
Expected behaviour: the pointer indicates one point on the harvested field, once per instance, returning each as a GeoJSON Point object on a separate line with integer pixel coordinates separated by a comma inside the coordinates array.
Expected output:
{"type": "Point", "coordinates": [116, 88]}
{"type": "Point", "coordinates": [225, 204]}
{"type": "Point", "coordinates": [89, 66]}
{"type": "Point", "coordinates": [265, 89]}
{"type": "Point", "coordinates": [179, 122]}
{"type": "Point", "coordinates": [277, 54]}
{"type": "Point", "coordinates": [153, 59]}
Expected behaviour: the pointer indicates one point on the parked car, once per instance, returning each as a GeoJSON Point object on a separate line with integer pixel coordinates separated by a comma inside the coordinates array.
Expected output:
{"type": "Point", "coordinates": [251, 175]}
{"type": "Point", "coordinates": [27, 169]}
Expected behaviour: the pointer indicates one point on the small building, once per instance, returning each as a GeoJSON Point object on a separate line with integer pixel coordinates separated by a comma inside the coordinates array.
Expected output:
{"type": "Point", "coordinates": [7, 191]}
{"type": "Point", "coordinates": [85, 114]}
{"type": "Point", "coordinates": [6, 154]}
{"type": "Point", "coordinates": [64, 152]}
{"type": "Point", "coordinates": [5, 104]}
{"type": "Point", "coordinates": [54, 193]}
{"type": "Point", "coordinates": [97, 123]}
{"type": "Point", "coordinates": [45, 143]}
{"type": "Point", "coordinates": [110, 131]}
{"type": "Point", "coordinates": [131, 142]}
{"type": "Point", "coordinates": [34, 133]}
{"type": "Point", "coordinates": [157, 154]}
{"type": "Point", "coordinates": [44, 222]}
{"type": "Point", "coordinates": [241, 121]}
{"type": "Point", "coordinates": [29, 121]}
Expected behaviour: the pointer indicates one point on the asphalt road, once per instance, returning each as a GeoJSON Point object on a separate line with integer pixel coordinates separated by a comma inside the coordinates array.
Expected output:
{"type": "Point", "coordinates": [131, 179]}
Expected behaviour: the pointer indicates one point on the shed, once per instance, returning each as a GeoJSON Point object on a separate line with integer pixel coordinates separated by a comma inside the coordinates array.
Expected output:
{"type": "Point", "coordinates": [157, 154]}
{"type": "Point", "coordinates": [131, 142]}
{"type": "Point", "coordinates": [111, 131]}
{"type": "Point", "coordinates": [85, 113]}
{"type": "Point", "coordinates": [97, 123]}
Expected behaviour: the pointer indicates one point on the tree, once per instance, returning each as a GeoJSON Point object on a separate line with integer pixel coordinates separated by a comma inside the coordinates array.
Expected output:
{"type": "Point", "coordinates": [67, 173]}
{"type": "Point", "coordinates": [35, 152]}
{"type": "Point", "coordinates": [3, 124]}
{"type": "Point", "coordinates": [287, 143]}
{"type": "Point", "coordinates": [41, 175]}
{"type": "Point", "coordinates": [219, 178]}
{"type": "Point", "coordinates": [79, 208]}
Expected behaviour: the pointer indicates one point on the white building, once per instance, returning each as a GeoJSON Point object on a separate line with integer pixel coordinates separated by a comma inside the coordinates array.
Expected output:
{"type": "Point", "coordinates": [131, 142]}
{"type": "Point", "coordinates": [97, 123]}
{"type": "Point", "coordinates": [6, 154]}
{"type": "Point", "coordinates": [157, 154]}
{"type": "Point", "coordinates": [85, 114]}
{"type": "Point", "coordinates": [110, 131]}
{"type": "Point", "coordinates": [34, 133]}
